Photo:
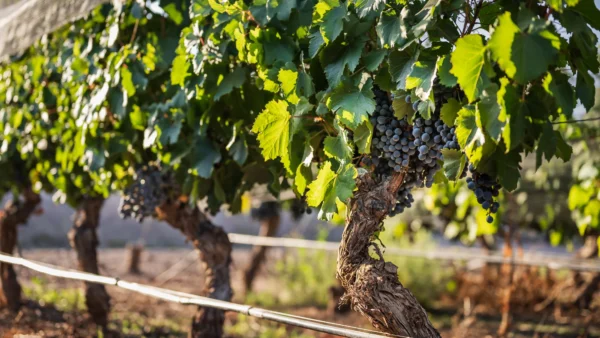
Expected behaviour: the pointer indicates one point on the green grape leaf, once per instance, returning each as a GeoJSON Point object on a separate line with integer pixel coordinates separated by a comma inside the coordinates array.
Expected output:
{"type": "Point", "coordinates": [402, 108]}
{"type": "Point", "coordinates": [508, 168]}
{"type": "Point", "coordinates": [443, 71]}
{"type": "Point", "coordinates": [515, 111]}
{"type": "Point", "coordinates": [301, 179]}
{"type": "Point", "coordinates": [501, 43]}
{"type": "Point", "coordinates": [173, 13]}
{"type": "Point", "coordinates": [232, 80]}
{"type": "Point", "coordinates": [338, 147]}
{"type": "Point", "coordinates": [467, 64]}
{"type": "Point", "coordinates": [315, 44]}
{"type": "Point", "coordinates": [288, 79]}
{"type": "Point", "coordinates": [342, 56]}
{"type": "Point", "coordinates": [401, 64]}
{"type": "Point", "coordinates": [557, 85]}
{"type": "Point", "coordinates": [470, 135]}
{"type": "Point", "coordinates": [585, 89]}
{"type": "Point", "coordinates": [563, 149]}
{"type": "Point", "coordinates": [180, 70]}
{"type": "Point", "coordinates": [454, 163]}
{"type": "Point", "coordinates": [204, 156]}
{"type": "Point", "coordinates": [352, 105]}
{"type": "Point", "coordinates": [365, 7]}
{"type": "Point", "coordinates": [589, 10]}
{"type": "Point", "coordinates": [492, 117]}
{"type": "Point", "coordinates": [137, 118]}
{"type": "Point", "coordinates": [363, 136]}
{"type": "Point", "coordinates": [273, 129]}
{"type": "Point", "coordinates": [329, 187]}
{"type": "Point", "coordinates": [168, 131]}
{"type": "Point", "coordinates": [333, 22]}
{"type": "Point", "coordinates": [579, 196]}
{"type": "Point", "coordinates": [546, 145]}
{"type": "Point", "coordinates": [449, 111]}
{"type": "Point", "coordinates": [127, 82]}
{"type": "Point", "coordinates": [421, 78]}
{"type": "Point", "coordinates": [532, 54]}
{"type": "Point", "coordinates": [374, 59]}
{"type": "Point", "coordinates": [239, 150]}
{"type": "Point", "coordinates": [388, 29]}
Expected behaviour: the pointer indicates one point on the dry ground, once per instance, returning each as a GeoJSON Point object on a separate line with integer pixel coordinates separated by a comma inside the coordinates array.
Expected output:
{"type": "Point", "coordinates": [137, 315]}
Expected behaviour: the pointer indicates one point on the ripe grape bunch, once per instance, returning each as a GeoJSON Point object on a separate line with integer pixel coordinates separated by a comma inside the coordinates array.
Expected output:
{"type": "Point", "coordinates": [485, 189]}
{"type": "Point", "coordinates": [298, 208]}
{"type": "Point", "coordinates": [151, 188]}
{"type": "Point", "coordinates": [415, 148]}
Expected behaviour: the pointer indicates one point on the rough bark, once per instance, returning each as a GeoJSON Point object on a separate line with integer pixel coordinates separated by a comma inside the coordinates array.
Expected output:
{"type": "Point", "coordinates": [268, 227]}
{"type": "Point", "coordinates": [372, 285]}
{"type": "Point", "coordinates": [84, 240]}
{"type": "Point", "coordinates": [214, 249]}
{"type": "Point", "coordinates": [15, 213]}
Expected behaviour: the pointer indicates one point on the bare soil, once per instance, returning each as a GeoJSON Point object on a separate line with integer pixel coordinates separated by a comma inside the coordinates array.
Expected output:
{"type": "Point", "coordinates": [470, 312]}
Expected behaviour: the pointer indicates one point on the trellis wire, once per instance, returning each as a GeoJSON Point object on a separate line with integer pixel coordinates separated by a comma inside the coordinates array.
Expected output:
{"type": "Point", "coordinates": [191, 299]}
{"type": "Point", "coordinates": [528, 259]}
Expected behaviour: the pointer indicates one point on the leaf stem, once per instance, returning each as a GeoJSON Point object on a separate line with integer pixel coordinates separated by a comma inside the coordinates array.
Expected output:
{"type": "Point", "coordinates": [577, 121]}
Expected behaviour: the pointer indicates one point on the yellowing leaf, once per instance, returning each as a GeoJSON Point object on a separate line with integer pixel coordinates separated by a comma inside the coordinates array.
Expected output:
{"type": "Point", "coordinates": [273, 129]}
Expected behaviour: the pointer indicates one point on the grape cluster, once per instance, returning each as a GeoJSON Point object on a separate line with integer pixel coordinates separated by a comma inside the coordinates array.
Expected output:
{"type": "Point", "coordinates": [485, 189]}
{"type": "Point", "coordinates": [415, 148]}
{"type": "Point", "coordinates": [298, 207]}
{"type": "Point", "coordinates": [151, 188]}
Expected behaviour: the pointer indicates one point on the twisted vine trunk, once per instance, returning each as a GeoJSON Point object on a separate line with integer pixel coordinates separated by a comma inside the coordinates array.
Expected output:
{"type": "Point", "coordinates": [84, 240]}
{"type": "Point", "coordinates": [15, 213]}
{"type": "Point", "coordinates": [372, 285]}
{"type": "Point", "coordinates": [214, 249]}
{"type": "Point", "coordinates": [268, 228]}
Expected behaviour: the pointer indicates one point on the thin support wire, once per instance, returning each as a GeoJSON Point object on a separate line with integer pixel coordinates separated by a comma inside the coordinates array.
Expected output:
{"type": "Point", "coordinates": [190, 299]}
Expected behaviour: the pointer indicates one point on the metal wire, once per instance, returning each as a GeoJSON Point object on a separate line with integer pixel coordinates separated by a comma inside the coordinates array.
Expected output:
{"type": "Point", "coordinates": [451, 254]}
{"type": "Point", "coordinates": [191, 299]}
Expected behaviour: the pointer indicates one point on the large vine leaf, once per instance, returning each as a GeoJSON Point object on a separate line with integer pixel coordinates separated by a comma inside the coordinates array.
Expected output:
{"type": "Point", "coordinates": [467, 65]}
{"type": "Point", "coordinates": [273, 129]}
{"type": "Point", "coordinates": [421, 78]}
{"type": "Point", "coordinates": [353, 105]}
{"type": "Point", "coordinates": [470, 136]}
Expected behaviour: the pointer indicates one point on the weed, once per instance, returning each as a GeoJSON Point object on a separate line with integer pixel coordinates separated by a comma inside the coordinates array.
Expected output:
{"type": "Point", "coordinates": [69, 299]}
{"type": "Point", "coordinates": [249, 327]}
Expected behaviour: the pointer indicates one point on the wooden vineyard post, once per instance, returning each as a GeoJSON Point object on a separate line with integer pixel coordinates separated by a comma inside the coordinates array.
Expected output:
{"type": "Point", "coordinates": [134, 255]}
{"type": "Point", "coordinates": [214, 249]}
{"type": "Point", "coordinates": [372, 285]}
{"type": "Point", "coordinates": [14, 213]}
{"type": "Point", "coordinates": [84, 240]}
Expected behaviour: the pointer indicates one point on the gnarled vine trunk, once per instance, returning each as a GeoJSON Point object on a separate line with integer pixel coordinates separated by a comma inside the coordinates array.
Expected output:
{"type": "Point", "coordinates": [268, 228]}
{"type": "Point", "coordinates": [14, 213]}
{"type": "Point", "coordinates": [372, 285]}
{"type": "Point", "coordinates": [214, 249]}
{"type": "Point", "coordinates": [84, 240]}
